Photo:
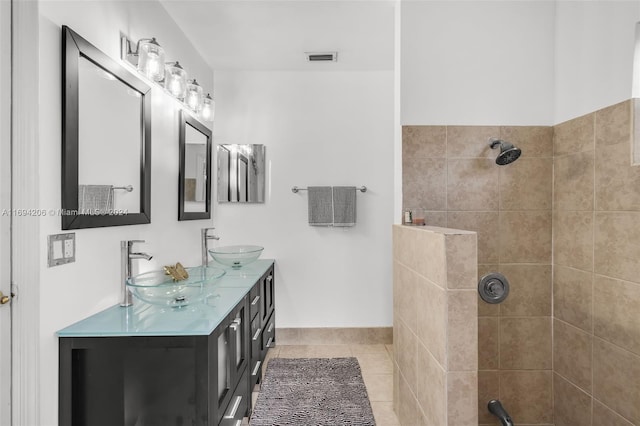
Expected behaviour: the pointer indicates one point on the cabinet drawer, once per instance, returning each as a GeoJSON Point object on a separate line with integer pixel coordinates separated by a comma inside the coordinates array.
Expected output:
{"type": "Point", "coordinates": [239, 405]}
{"type": "Point", "coordinates": [254, 301]}
{"type": "Point", "coordinates": [269, 335]}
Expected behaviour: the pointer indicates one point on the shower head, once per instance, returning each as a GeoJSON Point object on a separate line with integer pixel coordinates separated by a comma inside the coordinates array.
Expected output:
{"type": "Point", "coordinates": [508, 152]}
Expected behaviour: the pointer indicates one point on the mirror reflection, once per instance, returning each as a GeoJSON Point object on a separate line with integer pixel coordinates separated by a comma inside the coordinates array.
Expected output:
{"type": "Point", "coordinates": [195, 179]}
{"type": "Point", "coordinates": [109, 154]}
{"type": "Point", "coordinates": [194, 195]}
{"type": "Point", "coordinates": [241, 173]}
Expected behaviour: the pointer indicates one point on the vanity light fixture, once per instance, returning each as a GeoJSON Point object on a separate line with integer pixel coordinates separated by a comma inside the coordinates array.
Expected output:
{"type": "Point", "coordinates": [175, 79]}
{"type": "Point", "coordinates": [194, 99]}
{"type": "Point", "coordinates": [208, 108]}
{"type": "Point", "coordinates": [149, 59]}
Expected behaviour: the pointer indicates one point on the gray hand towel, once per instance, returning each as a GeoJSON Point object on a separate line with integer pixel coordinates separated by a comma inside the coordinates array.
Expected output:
{"type": "Point", "coordinates": [320, 206]}
{"type": "Point", "coordinates": [344, 205]}
{"type": "Point", "coordinates": [95, 199]}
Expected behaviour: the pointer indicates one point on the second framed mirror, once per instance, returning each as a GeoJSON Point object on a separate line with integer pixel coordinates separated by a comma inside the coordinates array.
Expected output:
{"type": "Point", "coordinates": [194, 193]}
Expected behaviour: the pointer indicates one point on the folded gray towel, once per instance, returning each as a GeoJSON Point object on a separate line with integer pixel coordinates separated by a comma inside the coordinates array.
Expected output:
{"type": "Point", "coordinates": [95, 199]}
{"type": "Point", "coordinates": [344, 205]}
{"type": "Point", "coordinates": [320, 206]}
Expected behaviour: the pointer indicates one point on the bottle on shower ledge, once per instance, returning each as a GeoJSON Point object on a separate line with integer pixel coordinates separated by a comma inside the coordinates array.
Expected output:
{"type": "Point", "coordinates": [418, 217]}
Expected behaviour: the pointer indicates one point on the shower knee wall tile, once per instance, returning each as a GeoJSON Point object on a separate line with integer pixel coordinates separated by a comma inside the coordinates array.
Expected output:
{"type": "Point", "coordinates": [487, 227]}
{"type": "Point", "coordinates": [462, 265]}
{"type": "Point", "coordinates": [462, 330]}
{"type": "Point", "coordinates": [462, 398]}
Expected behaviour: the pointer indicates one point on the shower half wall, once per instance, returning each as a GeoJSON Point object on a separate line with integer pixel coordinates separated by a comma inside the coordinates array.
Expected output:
{"type": "Point", "coordinates": [451, 172]}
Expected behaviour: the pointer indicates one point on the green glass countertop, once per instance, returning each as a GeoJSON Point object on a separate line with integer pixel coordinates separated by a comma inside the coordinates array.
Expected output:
{"type": "Point", "coordinates": [143, 319]}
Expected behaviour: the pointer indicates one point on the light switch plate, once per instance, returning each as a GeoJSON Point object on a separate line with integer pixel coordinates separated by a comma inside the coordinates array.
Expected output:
{"type": "Point", "coordinates": [62, 248]}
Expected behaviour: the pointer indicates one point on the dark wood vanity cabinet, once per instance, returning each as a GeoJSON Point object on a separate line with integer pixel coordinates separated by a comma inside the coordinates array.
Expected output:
{"type": "Point", "coordinates": [163, 379]}
{"type": "Point", "coordinates": [262, 323]}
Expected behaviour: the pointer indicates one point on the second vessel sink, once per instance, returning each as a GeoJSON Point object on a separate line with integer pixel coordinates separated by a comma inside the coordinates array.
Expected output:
{"type": "Point", "coordinates": [236, 256]}
{"type": "Point", "coordinates": [158, 288]}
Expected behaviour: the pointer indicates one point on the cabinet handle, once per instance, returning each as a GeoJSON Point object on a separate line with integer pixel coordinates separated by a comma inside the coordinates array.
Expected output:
{"type": "Point", "coordinates": [234, 408]}
{"type": "Point", "coordinates": [255, 301]}
{"type": "Point", "coordinates": [270, 328]}
{"type": "Point", "coordinates": [255, 336]}
{"type": "Point", "coordinates": [235, 323]}
{"type": "Point", "coordinates": [269, 342]}
{"type": "Point", "coordinates": [256, 368]}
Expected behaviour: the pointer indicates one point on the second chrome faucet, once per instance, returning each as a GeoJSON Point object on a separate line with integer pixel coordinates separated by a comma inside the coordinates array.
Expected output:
{"type": "Point", "coordinates": [205, 244]}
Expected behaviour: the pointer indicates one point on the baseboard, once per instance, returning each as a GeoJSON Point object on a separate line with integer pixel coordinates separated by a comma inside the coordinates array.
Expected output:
{"type": "Point", "coordinates": [335, 336]}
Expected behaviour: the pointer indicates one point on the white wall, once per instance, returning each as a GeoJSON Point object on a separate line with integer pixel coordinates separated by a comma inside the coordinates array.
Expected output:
{"type": "Point", "coordinates": [319, 128]}
{"type": "Point", "coordinates": [595, 42]}
{"type": "Point", "coordinates": [71, 292]}
{"type": "Point", "coordinates": [477, 62]}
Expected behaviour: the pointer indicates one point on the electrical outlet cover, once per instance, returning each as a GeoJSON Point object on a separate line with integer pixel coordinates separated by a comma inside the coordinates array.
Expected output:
{"type": "Point", "coordinates": [61, 248]}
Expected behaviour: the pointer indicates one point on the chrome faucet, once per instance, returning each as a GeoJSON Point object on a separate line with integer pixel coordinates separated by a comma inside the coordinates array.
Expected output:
{"type": "Point", "coordinates": [126, 256]}
{"type": "Point", "coordinates": [205, 244]}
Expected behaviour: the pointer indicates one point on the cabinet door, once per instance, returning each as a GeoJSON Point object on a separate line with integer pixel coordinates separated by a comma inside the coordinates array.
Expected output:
{"type": "Point", "coordinates": [267, 295]}
{"type": "Point", "coordinates": [254, 300]}
{"type": "Point", "coordinates": [256, 348]}
{"type": "Point", "coordinates": [239, 330]}
{"type": "Point", "coordinates": [239, 405]}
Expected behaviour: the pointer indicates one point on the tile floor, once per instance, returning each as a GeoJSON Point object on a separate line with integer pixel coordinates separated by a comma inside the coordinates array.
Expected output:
{"type": "Point", "coordinates": [376, 365]}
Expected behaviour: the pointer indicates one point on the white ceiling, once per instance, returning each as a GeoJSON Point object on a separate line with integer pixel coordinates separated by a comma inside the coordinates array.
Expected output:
{"type": "Point", "coordinates": [273, 35]}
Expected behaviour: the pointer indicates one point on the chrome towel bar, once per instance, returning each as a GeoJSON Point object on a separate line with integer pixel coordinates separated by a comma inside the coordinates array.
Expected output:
{"type": "Point", "coordinates": [127, 188]}
{"type": "Point", "coordinates": [295, 189]}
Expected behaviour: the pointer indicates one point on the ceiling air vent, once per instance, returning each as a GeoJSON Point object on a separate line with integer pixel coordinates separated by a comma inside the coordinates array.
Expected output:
{"type": "Point", "coordinates": [322, 56]}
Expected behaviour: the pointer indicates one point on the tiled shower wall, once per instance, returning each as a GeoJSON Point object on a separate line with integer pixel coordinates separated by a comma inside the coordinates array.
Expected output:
{"type": "Point", "coordinates": [451, 172]}
{"type": "Point", "coordinates": [596, 271]}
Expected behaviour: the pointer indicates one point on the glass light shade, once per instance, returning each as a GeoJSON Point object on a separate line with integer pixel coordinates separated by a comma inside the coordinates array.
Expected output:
{"type": "Point", "coordinates": [194, 98]}
{"type": "Point", "coordinates": [175, 80]}
{"type": "Point", "coordinates": [151, 59]}
{"type": "Point", "coordinates": [208, 108]}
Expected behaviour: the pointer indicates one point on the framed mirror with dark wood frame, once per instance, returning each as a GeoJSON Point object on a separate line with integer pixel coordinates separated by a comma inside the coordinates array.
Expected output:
{"type": "Point", "coordinates": [106, 139]}
{"type": "Point", "coordinates": [194, 183]}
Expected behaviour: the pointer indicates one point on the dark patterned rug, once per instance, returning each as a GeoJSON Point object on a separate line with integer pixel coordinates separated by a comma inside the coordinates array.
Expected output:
{"type": "Point", "coordinates": [312, 392]}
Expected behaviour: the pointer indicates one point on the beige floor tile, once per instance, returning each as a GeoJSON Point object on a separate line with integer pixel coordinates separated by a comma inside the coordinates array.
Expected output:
{"type": "Point", "coordinates": [314, 351]}
{"type": "Point", "coordinates": [367, 349]}
{"type": "Point", "coordinates": [384, 414]}
{"type": "Point", "coordinates": [375, 364]}
{"type": "Point", "coordinates": [379, 387]}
